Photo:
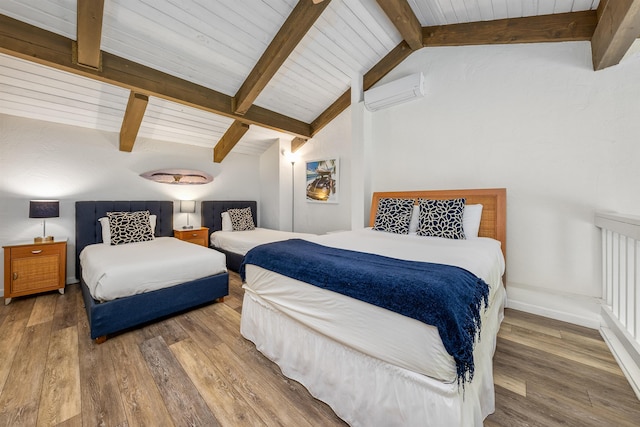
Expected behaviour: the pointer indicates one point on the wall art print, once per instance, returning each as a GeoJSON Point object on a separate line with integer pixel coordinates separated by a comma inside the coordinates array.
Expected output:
{"type": "Point", "coordinates": [323, 184]}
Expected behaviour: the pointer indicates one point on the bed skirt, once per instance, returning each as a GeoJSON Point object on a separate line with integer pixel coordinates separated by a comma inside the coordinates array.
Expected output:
{"type": "Point", "coordinates": [365, 391]}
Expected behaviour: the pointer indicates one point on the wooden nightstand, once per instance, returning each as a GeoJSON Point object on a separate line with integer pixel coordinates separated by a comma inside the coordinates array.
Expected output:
{"type": "Point", "coordinates": [199, 236]}
{"type": "Point", "coordinates": [30, 268]}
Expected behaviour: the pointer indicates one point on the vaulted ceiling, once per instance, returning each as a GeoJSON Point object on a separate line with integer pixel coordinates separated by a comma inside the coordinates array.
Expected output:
{"type": "Point", "coordinates": [233, 75]}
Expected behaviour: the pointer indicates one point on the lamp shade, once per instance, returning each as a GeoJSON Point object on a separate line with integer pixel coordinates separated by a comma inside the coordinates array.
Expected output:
{"type": "Point", "coordinates": [44, 209]}
{"type": "Point", "coordinates": [187, 206]}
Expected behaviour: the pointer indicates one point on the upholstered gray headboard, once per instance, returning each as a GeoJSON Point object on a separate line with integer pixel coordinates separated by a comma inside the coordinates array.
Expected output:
{"type": "Point", "coordinates": [211, 211]}
{"type": "Point", "coordinates": [89, 231]}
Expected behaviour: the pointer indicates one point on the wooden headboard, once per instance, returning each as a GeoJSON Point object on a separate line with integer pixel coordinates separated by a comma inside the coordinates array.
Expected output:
{"type": "Point", "coordinates": [494, 211]}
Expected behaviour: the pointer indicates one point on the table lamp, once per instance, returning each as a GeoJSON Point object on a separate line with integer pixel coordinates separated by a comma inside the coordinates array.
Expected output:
{"type": "Point", "coordinates": [188, 206]}
{"type": "Point", "coordinates": [44, 209]}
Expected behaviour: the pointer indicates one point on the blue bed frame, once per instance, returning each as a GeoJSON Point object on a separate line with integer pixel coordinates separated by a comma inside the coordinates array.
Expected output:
{"type": "Point", "coordinates": [211, 211]}
{"type": "Point", "coordinates": [117, 315]}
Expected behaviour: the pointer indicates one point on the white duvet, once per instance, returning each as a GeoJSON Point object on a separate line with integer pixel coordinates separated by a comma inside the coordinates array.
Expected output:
{"type": "Point", "coordinates": [118, 271]}
{"type": "Point", "coordinates": [375, 331]}
{"type": "Point", "coordinates": [241, 242]}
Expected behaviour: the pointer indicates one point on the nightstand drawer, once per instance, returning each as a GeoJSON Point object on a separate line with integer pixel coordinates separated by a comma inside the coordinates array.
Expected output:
{"type": "Point", "coordinates": [199, 236]}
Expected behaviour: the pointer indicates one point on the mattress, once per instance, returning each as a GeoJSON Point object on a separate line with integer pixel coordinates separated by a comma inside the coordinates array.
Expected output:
{"type": "Point", "coordinates": [374, 331]}
{"type": "Point", "coordinates": [116, 271]}
{"type": "Point", "coordinates": [241, 242]}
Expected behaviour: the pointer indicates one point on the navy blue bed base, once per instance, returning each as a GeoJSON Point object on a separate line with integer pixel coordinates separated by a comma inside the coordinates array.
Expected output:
{"type": "Point", "coordinates": [117, 315]}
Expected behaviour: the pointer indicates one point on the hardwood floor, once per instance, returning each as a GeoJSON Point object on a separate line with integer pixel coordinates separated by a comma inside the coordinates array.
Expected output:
{"type": "Point", "coordinates": [196, 369]}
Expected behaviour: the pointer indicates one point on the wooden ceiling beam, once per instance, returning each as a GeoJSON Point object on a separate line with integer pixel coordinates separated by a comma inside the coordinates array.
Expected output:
{"type": "Point", "coordinates": [28, 42]}
{"type": "Point", "coordinates": [229, 140]}
{"type": "Point", "coordinates": [290, 34]}
{"type": "Point", "coordinates": [133, 116]}
{"type": "Point", "coordinates": [402, 16]}
{"type": "Point", "coordinates": [297, 143]}
{"type": "Point", "coordinates": [618, 27]}
{"type": "Point", "coordinates": [574, 26]}
{"type": "Point", "coordinates": [378, 71]}
{"type": "Point", "coordinates": [89, 32]}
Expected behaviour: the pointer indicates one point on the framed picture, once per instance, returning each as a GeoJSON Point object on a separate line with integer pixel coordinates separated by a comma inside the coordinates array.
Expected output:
{"type": "Point", "coordinates": [323, 184]}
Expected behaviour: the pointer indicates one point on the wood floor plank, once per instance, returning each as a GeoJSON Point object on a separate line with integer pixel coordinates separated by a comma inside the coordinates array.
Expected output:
{"type": "Point", "coordinates": [552, 346]}
{"type": "Point", "coordinates": [197, 331]}
{"type": "Point", "coordinates": [515, 385]}
{"type": "Point", "coordinates": [184, 403]}
{"type": "Point", "coordinates": [168, 329]}
{"type": "Point", "coordinates": [66, 314]}
{"type": "Point", "coordinates": [227, 404]}
{"type": "Point", "coordinates": [101, 401]}
{"type": "Point", "coordinates": [11, 331]}
{"type": "Point", "coordinates": [43, 309]}
{"type": "Point", "coordinates": [526, 363]}
{"type": "Point", "coordinates": [72, 422]}
{"type": "Point", "coordinates": [20, 399]}
{"type": "Point", "coordinates": [515, 411]}
{"type": "Point", "coordinates": [141, 397]}
{"type": "Point", "coordinates": [532, 326]}
{"type": "Point", "coordinates": [574, 408]}
{"type": "Point", "coordinates": [60, 396]}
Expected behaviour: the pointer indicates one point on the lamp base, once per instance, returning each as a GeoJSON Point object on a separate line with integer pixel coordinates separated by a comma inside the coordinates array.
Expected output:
{"type": "Point", "coordinates": [187, 227]}
{"type": "Point", "coordinates": [43, 239]}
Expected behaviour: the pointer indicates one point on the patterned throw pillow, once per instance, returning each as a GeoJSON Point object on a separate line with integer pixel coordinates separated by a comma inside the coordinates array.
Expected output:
{"type": "Point", "coordinates": [393, 215]}
{"type": "Point", "coordinates": [241, 219]}
{"type": "Point", "coordinates": [441, 218]}
{"type": "Point", "coordinates": [129, 227]}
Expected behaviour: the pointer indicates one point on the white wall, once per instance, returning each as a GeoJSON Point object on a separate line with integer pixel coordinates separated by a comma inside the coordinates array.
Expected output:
{"type": "Point", "coordinates": [269, 207]}
{"type": "Point", "coordinates": [45, 160]}
{"type": "Point", "coordinates": [332, 141]}
{"type": "Point", "coordinates": [539, 121]}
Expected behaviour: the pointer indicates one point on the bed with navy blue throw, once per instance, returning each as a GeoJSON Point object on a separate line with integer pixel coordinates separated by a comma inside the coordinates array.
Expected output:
{"type": "Point", "coordinates": [447, 297]}
{"type": "Point", "coordinates": [386, 327]}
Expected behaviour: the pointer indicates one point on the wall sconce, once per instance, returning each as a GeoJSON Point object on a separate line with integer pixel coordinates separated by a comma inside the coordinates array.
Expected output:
{"type": "Point", "coordinates": [44, 209]}
{"type": "Point", "coordinates": [188, 207]}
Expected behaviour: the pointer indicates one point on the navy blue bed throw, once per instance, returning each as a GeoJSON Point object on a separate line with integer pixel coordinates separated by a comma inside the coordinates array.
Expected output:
{"type": "Point", "coordinates": [447, 297]}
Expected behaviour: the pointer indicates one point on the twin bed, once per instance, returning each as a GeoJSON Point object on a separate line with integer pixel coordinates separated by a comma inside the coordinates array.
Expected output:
{"type": "Point", "coordinates": [235, 244]}
{"type": "Point", "coordinates": [127, 285]}
{"type": "Point", "coordinates": [373, 365]}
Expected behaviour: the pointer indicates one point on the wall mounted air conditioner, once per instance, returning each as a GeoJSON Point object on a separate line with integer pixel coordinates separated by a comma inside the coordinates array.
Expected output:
{"type": "Point", "coordinates": [395, 92]}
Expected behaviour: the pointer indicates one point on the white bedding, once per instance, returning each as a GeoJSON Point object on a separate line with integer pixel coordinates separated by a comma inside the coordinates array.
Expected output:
{"type": "Point", "coordinates": [112, 272]}
{"type": "Point", "coordinates": [380, 333]}
{"type": "Point", "coordinates": [241, 242]}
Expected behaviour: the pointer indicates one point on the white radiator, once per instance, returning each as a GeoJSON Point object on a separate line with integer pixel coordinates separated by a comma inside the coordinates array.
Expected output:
{"type": "Point", "coordinates": [621, 291]}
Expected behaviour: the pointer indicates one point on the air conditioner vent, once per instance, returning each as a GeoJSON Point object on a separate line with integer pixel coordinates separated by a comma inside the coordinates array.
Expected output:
{"type": "Point", "coordinates": [395, 92]}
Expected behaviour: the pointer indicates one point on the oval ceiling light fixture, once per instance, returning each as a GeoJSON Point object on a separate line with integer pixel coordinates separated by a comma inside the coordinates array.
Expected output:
{"type": "Point", "coordinates": [178, 176]}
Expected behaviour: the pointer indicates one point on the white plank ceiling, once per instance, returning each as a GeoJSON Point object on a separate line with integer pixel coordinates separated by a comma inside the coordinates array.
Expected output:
{"type": "Point", "coordinates": [216, 43]}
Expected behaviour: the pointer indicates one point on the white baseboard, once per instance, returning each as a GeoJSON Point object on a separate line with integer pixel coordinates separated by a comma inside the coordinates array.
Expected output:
{"type": "Point", "coordinates": [576, 309]}
{"type": "Point", "coordinates": [625, 360]}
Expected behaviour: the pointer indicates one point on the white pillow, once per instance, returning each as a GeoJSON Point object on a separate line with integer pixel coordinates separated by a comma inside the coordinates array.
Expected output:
{"type": "Point", "coordinates": [227, 225]}
{"type": "Point", "coordinates": [415, 217]}
{"type": "Point", "coordinates": [106, 231]}
{"type": "Point", "coordinates": [471, 220]}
